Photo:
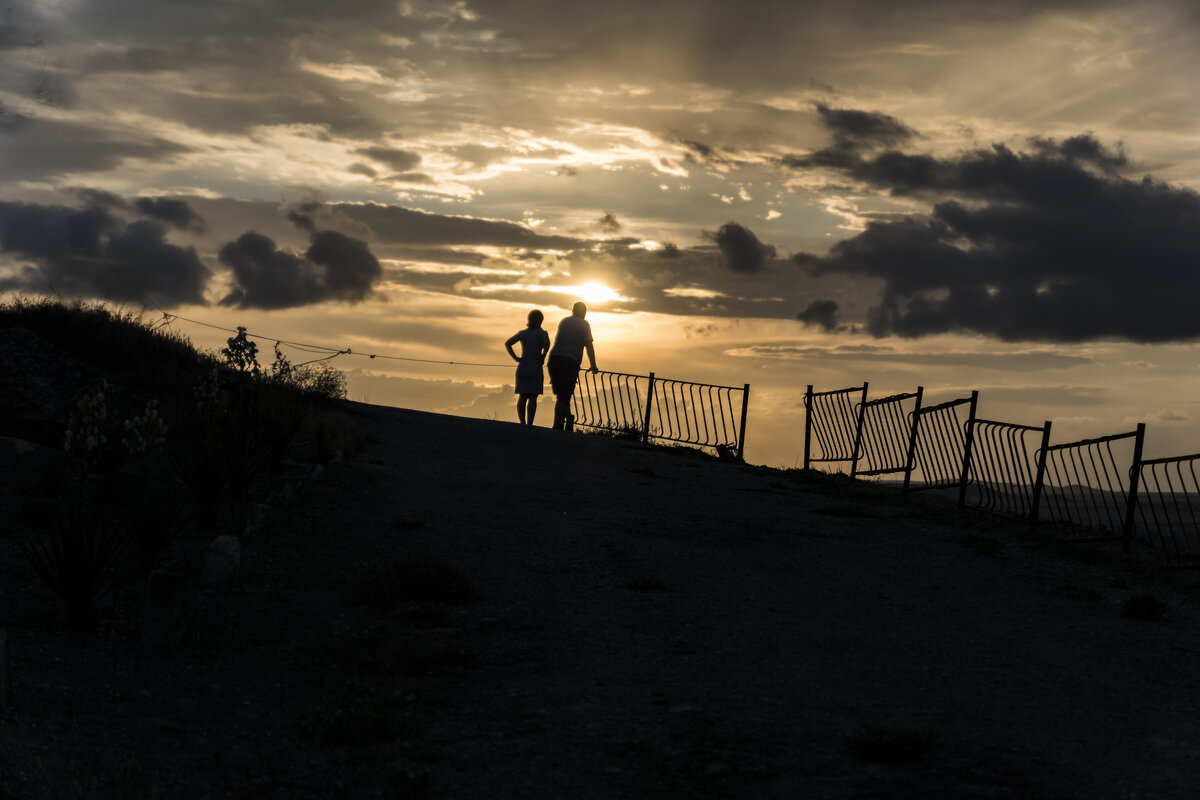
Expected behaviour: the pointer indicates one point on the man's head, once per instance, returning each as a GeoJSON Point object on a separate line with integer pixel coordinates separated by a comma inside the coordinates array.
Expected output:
{"type": "Point", "coordinates": [579, 310]}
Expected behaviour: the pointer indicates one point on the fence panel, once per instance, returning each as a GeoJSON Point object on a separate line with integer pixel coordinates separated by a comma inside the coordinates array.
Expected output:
{"type": "Point", "coordinates": [1169, 509]}
{"type": "Point", "coordinates": [831, 423]}
{"type": "Point", "coordinates": [696, 413]}
{"type": "Point", "coordinates": [701, 414]}
{"type": "Point", "coordinates": [1087, 492]}
{"type": "Point", "coordinates": [613, 401]}
{"type": "Point", "coordinates": [885, 435]}
{"type": "Point", "coordinates": [943, 445]}
{"type": "Point", "coordinates": [1003, 473]}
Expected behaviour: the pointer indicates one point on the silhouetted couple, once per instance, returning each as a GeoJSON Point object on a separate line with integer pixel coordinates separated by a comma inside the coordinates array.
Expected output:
{"type": "Point", "coordinates": [574, 336]}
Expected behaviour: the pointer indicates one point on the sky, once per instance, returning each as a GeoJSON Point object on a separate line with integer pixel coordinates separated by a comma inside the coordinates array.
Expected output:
{"type": "Point", "coordinates": [991, 196]}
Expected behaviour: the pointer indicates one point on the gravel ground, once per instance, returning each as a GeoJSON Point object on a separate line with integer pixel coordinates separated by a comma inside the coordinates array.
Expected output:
{"type": "Point", "coordinates": [647, 623]}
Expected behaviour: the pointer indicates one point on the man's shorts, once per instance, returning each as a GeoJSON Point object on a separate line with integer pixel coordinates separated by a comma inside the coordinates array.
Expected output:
{"type": "Point", "coordinates": [563, 374]}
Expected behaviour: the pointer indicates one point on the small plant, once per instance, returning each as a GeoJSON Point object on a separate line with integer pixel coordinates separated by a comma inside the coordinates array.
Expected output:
{"type": "Point", "coordinates": [241, 353]}
{"type": "Point", "coordinates": [208, 392]}
{"type": "Point", "coordinates": [73, 561]}
{"type": "Point", "coordinates": [891, 746]}
{"type": "Point", "coordinates": [146, 433]}
{"type": "Point", "coordinates": [384, 587]}
{"type": "Point", "coordinates": [85, 428]}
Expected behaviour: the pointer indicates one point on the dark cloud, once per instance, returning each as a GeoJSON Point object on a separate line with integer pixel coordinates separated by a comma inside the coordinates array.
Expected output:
{"type": "Point", "coordinates": [398, 160]}
{"type": "Point", "coordinates": [1030, 361]}
{"type": "Point", "coordinates": [863, 128]}
{"type": "Point", "coordinates": [41, 148]}
{"type": "Point", "coordinates": [335, 267]}
{"type": "Point", "coordinates": [17, 30]}
{"type": "Point", "coordinates": [608, 223]}
{"type": "Point", "coordinates": [854, 132]}
{"type": "Point", "coordinates": [175, 212]}
{"type": "Point", "coordinates": [91, 252]}
{"type": "Point", "coordinates": [741, 250]}
{"type": "Point", "coordinates": [822, 313]}
{"type": "Point", "coordinates": [362, 169]}
{"type": "Point", "coordinates": [1051, 244]}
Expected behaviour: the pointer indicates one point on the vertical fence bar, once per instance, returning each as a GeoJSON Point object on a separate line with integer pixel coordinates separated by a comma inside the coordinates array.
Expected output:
{"type": "Point", "coordinates": [808, 411]}
{"type": "Point", "coordinates": [742, 427]}
{"type": "Point", "coordinates": [1041, 477]}
{"type": "Point", "coordinates": [858, 429]}
{"type": "Point", "coordinates": [912, 440]}
{"type": "Point", "coordinates": [649, 405]}
{"type": "Point", "coordinates": [1135, 472]}
{"type": "Point", "coordinates": [967, 447]}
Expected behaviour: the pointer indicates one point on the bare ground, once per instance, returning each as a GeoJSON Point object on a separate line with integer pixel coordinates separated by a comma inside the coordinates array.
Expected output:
{"type": "Point", "coordinates": [647, 623]}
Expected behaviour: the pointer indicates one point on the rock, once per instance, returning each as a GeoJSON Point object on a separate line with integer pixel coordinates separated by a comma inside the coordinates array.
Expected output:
{"type": "Point", "coordinates": [256, 517]}
{"type": "Point", "coordinates": [286, 494]}
{"type": "Point", "coordinates": [6, 702]}
{"type": "Point", "coordinates": [163, 618]}
{"type": "Point", "coordinates": [221, 560]}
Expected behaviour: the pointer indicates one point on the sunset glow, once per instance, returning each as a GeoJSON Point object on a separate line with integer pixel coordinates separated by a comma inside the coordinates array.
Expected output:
{"type": "Point", "coordinates": [1000, 198]}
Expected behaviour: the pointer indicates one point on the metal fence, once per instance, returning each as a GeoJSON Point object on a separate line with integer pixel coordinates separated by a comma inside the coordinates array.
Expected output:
{"type": "Point", "coordinates": [831, 423]}
{"type": "Point", "coordinates": [1168, 506]}
{"type": "Point", "coordinates": [943, 447]}
{"type": "Point", "coordinates": [700, 414]}
{"type": "Point", "coordinates": [887, 435]}
{"type": "Point", "coordinates": [1098, 489]}
{"type": "Point", "coordinates": [1004, 472]}
{"type": "Point", "coordinates": [1090, 489]}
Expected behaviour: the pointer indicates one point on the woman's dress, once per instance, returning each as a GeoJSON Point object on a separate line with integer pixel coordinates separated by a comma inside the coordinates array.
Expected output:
{"type": "Point", "coordinates": [534, 342]}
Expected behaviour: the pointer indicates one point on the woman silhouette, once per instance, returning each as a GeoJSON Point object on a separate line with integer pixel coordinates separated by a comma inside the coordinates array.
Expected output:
{"type": "Point", "coordinates": [534, 344]}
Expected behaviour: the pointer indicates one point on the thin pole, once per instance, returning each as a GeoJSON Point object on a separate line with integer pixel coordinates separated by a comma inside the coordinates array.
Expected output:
{"type": "Point", "coordinates": [967, 446]}
{"type": "Point", "coordinates": [649, 405]}
{"type": "Point", "coordinates": [1135, 473]}
{"type": "Point", "coordinates": [808, 401]}
{"type": "Point", "coordinates": [1041, 477]}
{"type": "Point", "coordinates": [862, 412]}
{"type": "Point", "coordinates": [912, 440]}
{"type": "Point", "coordinates": [742, 429]}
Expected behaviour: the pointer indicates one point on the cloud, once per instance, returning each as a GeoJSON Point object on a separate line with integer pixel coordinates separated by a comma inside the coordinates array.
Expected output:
{"type": "Point", "coordinates": [40, 148]}
{"type": "Point", "coordinates": [176, 212]}
{"type": "Point", "coordinates": [853, 127]}
{"type": "Point", "coordinates": [93, 252]}
{"type": "Point", "coordinates": [1051, 243]}
{"type": "Point", "coordinates": [741, 250]}
{"type": "Point", "coordinates": [335, 267]}
{"type": "Point", "coordinates": [398, 160]}
{"type": "Point", "coordinates": [608, 223]}
{"type": "Point", "coordinates": [822, 313]}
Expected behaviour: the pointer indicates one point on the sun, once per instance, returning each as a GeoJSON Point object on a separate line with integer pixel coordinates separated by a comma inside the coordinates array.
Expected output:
{"type": "Point", "coordinates": [597, 293]}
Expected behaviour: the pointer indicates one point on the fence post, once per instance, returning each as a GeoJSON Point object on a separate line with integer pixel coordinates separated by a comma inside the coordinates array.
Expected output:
{"type": "Point", "coordinates": [912, 440]}
{"type": "Point", "coordinates": [1041, 477]}
{"type": "Point", "coordinates": [967, 444]}
{"type": "Point", "coordinates": [649, 405]}
{"type": "Point", "coordinates": [1135, 474]}
{"type": "Point", "coordinates": [742, 429]}
{"type": "Point", "coordinates": [862, 411]}
{"type": "Point", "coordinates": [808, 400]}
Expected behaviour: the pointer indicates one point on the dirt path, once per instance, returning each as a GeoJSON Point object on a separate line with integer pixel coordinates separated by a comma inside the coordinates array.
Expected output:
{"type": "Point", "coordinates": [648, 624]}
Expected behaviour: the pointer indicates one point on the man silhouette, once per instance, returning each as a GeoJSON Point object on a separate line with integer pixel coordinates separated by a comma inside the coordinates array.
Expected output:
{"type": "Point", "coordinates": [574, 335]}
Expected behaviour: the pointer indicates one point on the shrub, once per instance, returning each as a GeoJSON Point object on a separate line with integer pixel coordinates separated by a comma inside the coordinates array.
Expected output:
{"type": "Point", "coordinates": [73, 561]}
{"type": "Point", "coordinates": [241, 353]}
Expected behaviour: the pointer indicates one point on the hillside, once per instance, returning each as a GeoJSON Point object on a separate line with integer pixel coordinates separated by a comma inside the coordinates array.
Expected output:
{"type": "Point", "coordinates": [639, 622]}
